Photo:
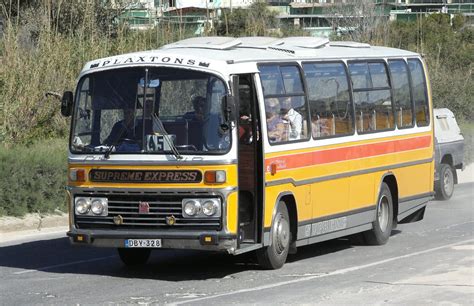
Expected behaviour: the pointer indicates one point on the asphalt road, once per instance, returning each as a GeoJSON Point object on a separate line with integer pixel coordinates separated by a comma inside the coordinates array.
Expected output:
{"type": "Point", "coordinates": [431, 261]}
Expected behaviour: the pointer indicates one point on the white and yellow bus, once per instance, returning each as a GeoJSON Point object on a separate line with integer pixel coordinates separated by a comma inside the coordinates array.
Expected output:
{"type": "Point", "coordinates": [248, 144]}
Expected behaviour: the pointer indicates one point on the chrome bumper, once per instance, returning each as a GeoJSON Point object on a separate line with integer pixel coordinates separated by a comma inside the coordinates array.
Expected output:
{"type": "Point", "coordinates": [170, 239]}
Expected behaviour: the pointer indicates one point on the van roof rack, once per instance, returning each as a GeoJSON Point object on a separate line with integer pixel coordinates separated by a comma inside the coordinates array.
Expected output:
{"type": "Point", "coordinates": [210, 42]}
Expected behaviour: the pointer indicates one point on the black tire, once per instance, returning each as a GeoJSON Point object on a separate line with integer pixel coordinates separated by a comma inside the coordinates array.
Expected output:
{"type": "Point", "coordinates": [382, 226]}
{"type": "Point", "coordinates": [274, 256]}
{"type": "Point", "coordinates": [444, 187]}
{"type": "Point", "coordinates": [134, 257]}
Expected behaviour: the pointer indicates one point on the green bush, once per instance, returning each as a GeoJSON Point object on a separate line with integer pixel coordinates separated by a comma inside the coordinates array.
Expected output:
{"type": "Point", "coordinates": [32, 177]}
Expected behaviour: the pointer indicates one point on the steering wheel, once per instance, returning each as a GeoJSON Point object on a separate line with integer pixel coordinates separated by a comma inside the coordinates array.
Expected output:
{"type": "Point", "coordinates": [128, 140]}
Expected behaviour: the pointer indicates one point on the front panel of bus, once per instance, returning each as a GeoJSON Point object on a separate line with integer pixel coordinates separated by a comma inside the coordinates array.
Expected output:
{"type": "Point", "coordinates": [151, 157]}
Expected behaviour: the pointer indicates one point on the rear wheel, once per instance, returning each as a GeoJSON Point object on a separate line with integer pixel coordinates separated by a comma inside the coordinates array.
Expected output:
{"type": "Point", "coordinates": [444, 187]}
{"type": "Point", "coordinates": [133, 257]}
{"type": "Point", "coordinates": [382, 226]}
{"type": "Point", "coordinates": [274, 255]}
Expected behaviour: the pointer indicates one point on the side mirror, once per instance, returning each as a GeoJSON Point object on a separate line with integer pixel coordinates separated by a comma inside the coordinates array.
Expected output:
{"type": "Point", "coordinates": [232, 100]}
{"type": "Point", "coordinates": [66, 103]}
{"type": "Point", "coordinates": [229, 108]}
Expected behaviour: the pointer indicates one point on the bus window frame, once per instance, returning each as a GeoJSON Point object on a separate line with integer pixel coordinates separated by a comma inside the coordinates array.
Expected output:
{"type": "Point", "coordinates": [304, 95]}
{"type": "Point", "coordinates": [412, 102]}
{"type": "Point", "coordinates": [425, 90]}
{"type": "Point", "coordinates": [351, 99]}
{"type": "Point", "coordinates": [93, 73]}
{"type": "Point", "coordinates": [389, 88]}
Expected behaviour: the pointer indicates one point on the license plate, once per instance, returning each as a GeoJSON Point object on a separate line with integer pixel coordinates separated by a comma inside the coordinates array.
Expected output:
{"type": "Point", "coordinates": [143, 243]}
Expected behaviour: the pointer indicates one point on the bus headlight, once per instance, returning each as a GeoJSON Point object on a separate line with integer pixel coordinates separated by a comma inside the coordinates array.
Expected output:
{"type": "Point", "coordinates": [91, 206]}
{"type": "Point", "coordinates": [82, 206]}
{"type": "Point", "coordinates": [201, 208]}
{"type": "Point", "coordinates": [99, 206]}
{"type": "Point", "coordinates": [209, 208]}
{"type": "Point", "coordinates": [191, 208]}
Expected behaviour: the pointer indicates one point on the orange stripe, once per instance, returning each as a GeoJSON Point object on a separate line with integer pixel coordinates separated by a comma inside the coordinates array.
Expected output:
{"type": "Point", "coordinates": [347, 153]}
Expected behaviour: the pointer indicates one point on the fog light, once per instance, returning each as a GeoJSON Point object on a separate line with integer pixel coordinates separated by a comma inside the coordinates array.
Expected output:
{"type": "Point", "coordinates": [97, 207]}
{"type": "Point", "coordinates": [209, 208]}
{"type": "Point", "coordinates": [192, 207]}
{"type": "Point", "coordinates": [82, 206]}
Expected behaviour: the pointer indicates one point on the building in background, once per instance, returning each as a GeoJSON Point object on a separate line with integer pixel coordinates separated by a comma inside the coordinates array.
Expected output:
{"type": "Point", "coordinates": [318, 17]}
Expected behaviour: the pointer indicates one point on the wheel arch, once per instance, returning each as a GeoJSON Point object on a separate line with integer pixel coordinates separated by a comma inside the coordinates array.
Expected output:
{"type": "Point", "coordinates": [448, 159]}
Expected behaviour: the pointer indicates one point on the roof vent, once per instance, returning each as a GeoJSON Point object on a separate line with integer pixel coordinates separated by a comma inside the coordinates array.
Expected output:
{"type": "Point", "coordinates": [257, 42]}
{"type": "Point", "coordinates": [211, 42]}
{"type": "Point", "coordinates": [348, 44]}
{"type": "Point", "coordinates": [303, 42]}
{"type": "Point", "coordinates": [286, 50]}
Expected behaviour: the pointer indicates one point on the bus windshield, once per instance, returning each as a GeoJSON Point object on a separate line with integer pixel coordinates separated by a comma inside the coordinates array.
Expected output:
{"type": "Point", "coordinates": [150, 110]}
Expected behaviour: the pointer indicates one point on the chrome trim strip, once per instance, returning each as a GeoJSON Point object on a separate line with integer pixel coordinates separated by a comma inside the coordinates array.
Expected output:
{"type": "Point", "coordinates": [426, 195]}
{"type": "Point", "coordinates": [138, 162]}
{"type": "Point", "coordinates": [342, 214]}
{"type": "Point", "coordinates": [335, 224]}
{"type": "Point", "coordinates": [163, 190]}
{"type": "Point", "coordinates": [343, 175]}
{"type": "Point", "coordinates": [333, 235]}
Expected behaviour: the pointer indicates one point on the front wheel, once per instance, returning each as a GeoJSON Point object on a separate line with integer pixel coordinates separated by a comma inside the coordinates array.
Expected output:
{"type": "Point", "coordinates": [382, 226]}
{"type": "Point", "coordinates": [444, 187]}
{"type": "Point", "coordinates": [274, 255]}
{"type": "Point", "coordinates": [133, 257]}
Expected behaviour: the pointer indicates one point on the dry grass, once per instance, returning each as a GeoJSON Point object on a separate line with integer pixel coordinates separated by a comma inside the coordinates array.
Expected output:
{"type": "Point", "coordinates": [37, 57]}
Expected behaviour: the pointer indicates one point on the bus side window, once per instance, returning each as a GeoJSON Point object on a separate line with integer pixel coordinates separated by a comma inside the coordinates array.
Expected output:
{"type": "Point", "coordinates": [285, 103]}
{"type": "Point", "coordinates": [372, 97]}
{"type": "Point", "coordinates": [401, 93]}
{"type": "Point", "coordinates": [420, 97]}
{"type": "Point", "coordinates": [329, 99]}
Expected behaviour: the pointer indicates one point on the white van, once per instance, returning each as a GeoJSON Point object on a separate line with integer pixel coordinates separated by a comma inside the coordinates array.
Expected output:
{"type": "Point", "coordinates": [449, 152]}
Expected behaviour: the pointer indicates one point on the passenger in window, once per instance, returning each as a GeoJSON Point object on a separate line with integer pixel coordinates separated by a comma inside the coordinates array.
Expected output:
{"type": "Point", "coordinates": [321, 126]}
{"type": "Point", "coordinates": [130, 128]}
{"type": "Point", "coordinates": [293, 119]}
{"type": "Point", "coordinates": [276, 127]}
{"type": "Point", "coordinates": [199, 105]}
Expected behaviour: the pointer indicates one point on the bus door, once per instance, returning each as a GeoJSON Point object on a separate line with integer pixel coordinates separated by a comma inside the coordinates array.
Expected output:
{"type": "Point", "coordinates": [250, 164]}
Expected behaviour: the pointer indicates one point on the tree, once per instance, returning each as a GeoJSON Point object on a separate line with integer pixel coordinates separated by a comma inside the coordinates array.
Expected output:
{"type": "Point", "coordinates": [359, 20]}
{"type": "Point", "coordinates": [256, 20]}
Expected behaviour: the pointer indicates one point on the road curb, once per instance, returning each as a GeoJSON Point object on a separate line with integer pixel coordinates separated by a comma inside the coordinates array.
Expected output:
{"type": "Point", "coordinates": [32, 222]}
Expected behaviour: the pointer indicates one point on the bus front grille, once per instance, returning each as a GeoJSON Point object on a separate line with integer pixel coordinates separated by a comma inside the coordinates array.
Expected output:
{"type": "Point", "coordinates": [161, 206]}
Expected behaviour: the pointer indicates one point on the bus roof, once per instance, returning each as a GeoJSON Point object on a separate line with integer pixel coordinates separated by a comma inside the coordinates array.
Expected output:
{"type": "Point", "coordinates": [214, 53]}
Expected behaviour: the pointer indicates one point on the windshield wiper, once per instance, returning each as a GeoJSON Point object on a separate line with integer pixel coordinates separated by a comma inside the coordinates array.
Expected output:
{"type": "Point", "coordinates": [109, 150]}
{"type": "Point", "coordinates": [165, 134]}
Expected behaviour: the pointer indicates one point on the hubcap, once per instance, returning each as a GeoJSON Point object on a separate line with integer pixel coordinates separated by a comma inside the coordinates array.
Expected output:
{"type": "Point", "coordinates": [281, 232]}
{"type": "Point", "coordinates": [448, 182]}
{"type": "Point", "coordinates": [382, 213]}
